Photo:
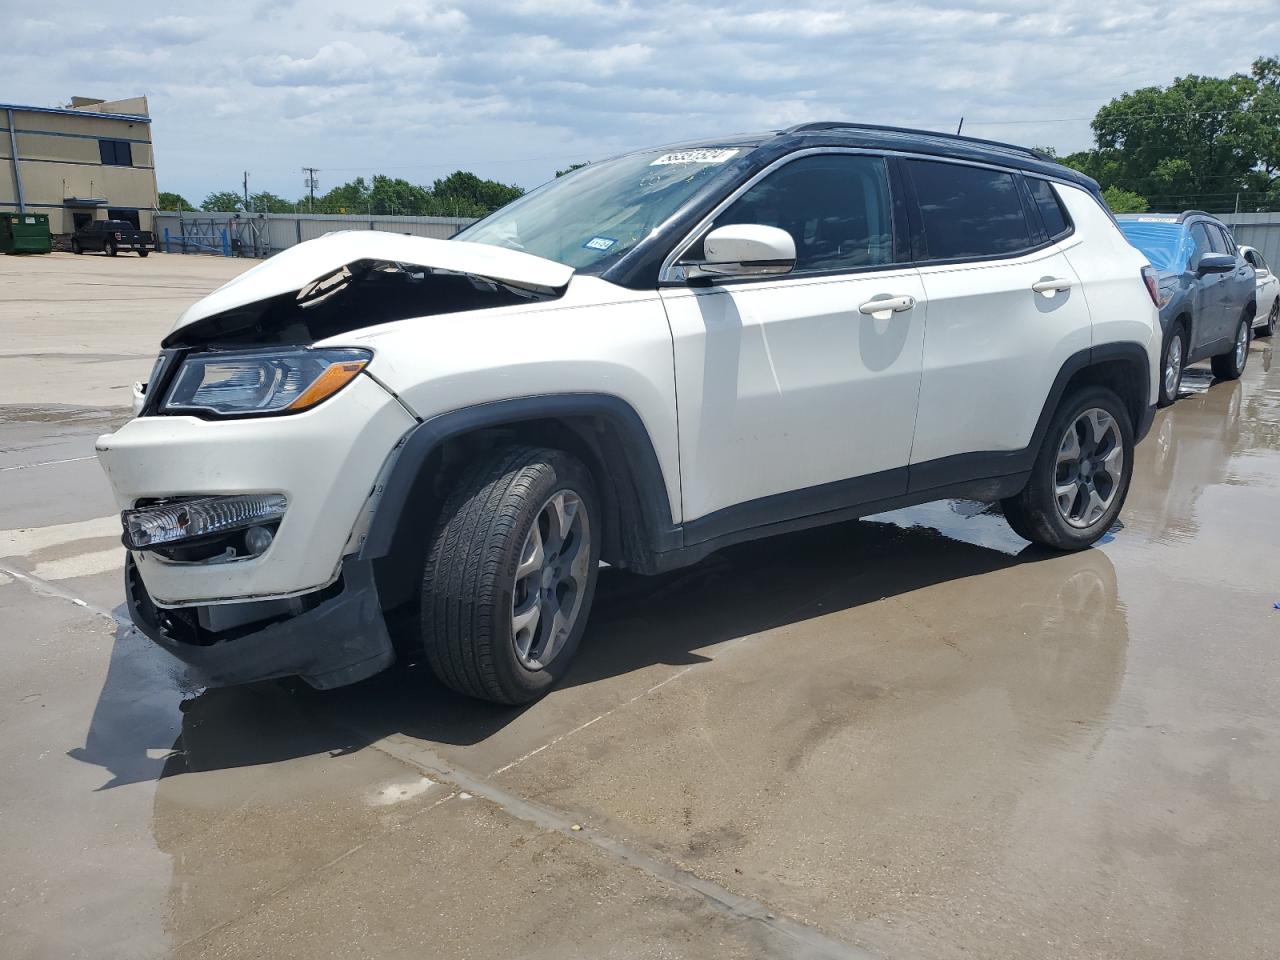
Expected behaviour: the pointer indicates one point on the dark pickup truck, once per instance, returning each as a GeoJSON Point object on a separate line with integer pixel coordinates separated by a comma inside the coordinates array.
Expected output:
{"type": "Point", "coordinates": [111, 236]}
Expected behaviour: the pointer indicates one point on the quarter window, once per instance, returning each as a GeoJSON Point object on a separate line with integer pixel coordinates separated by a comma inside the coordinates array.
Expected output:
{"type": "Point", "coordinates": [1051, 212]}
{"type": "Point", "coordinates": [116, 153]}
{"type": "Point", "coordinates": [969, 211]}
{"type": "Point", "coordinates": [835, 206]}
{"type": "Point", "coordinates": [1200, 237]}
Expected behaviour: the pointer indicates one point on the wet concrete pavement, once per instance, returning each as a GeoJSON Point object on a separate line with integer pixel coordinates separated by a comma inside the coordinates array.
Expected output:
{"type": "Point", "coordinates": [911, 736]}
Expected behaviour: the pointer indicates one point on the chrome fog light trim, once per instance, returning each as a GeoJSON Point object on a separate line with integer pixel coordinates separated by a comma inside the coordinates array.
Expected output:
{"type": "Point", "coordinates": [192, 519]}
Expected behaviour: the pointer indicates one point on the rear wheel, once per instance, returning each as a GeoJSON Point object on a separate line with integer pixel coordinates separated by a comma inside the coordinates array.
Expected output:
{"type": "Point", "coordinates": [1229, 365]}
{"type": "Point", "coordinates": [109, 248]}
{"type": "Point", "coordinates": [510, 574]}
{"type": "Point", "coordinates": [143, 253]}
{"type": "Point", "coordinates": [1273, 320]}
{"type": "Point", "coordinates": [1175, 352]}
{"type": "Point", "coordinates": [76, 248]}
{"type": "Point", "coordinates": [1081, 475]}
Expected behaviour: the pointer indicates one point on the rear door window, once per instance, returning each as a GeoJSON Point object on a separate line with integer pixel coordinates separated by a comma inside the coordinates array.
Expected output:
{"type": "Point", "coordinates": [969, 212]}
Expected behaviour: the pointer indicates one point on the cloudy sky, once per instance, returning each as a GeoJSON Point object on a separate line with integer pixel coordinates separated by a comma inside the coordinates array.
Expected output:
{"type": "Point", "coordinates": [512, 89]}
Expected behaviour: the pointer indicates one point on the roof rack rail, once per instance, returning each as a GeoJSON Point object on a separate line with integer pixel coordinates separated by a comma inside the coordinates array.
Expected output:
{"type": "Point", "coordinates": [1193, 213]}
{"type": "Point", "coordinates": [845, 125]}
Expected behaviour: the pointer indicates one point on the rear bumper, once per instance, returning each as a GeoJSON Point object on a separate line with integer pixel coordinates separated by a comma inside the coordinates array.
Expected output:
{"type": "Point", "coordinates": [341, 637]}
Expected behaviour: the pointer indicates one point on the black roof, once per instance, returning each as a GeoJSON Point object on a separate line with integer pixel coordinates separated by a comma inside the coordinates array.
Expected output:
{"type": "Point", "coordinates": [905, 139]}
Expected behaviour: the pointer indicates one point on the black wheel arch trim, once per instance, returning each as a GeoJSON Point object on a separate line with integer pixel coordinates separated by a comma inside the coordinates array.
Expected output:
{"type": "Point", "coordinates": [660, 532]}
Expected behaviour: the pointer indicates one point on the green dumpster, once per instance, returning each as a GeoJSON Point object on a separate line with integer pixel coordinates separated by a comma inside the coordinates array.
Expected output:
{"type": "Point", "coordinates": [25, 233]}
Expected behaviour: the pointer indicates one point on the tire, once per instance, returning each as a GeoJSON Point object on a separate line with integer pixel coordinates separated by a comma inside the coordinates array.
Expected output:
{"type": "Point", "coordinates": [109, 249]}
{"type": "Point", "coordinates": [1229, 365]}
{"type": "Point", "coordinates": [143, 253]}
{"type": "Point", "coordinates": [76, 248]}
{"type": "Point", "coordinates": [1273, 321]}
{"type": "Point", "coordinates": [472, 587]}
{"type": "Point", "coordinates": [1171, 378]}
{"type": "Point", "coordinates": [1036, 514]}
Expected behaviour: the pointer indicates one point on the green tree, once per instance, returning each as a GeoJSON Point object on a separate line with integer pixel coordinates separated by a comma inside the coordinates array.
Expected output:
{"type": "Point", "coordinates": [223, 201]}
{"type": "Point", "coordinates": [396, 197]}
{"type": "Point", "coordinates": [267, 202]}
{"type": "Point", "coordinates": [569, 169]}
{"type": "Point", "coordinates": [466, 195]}
{"type": "Point", "coordinates": [173, 201]}
{"type": "Point", "coordinates": [1124, 201]}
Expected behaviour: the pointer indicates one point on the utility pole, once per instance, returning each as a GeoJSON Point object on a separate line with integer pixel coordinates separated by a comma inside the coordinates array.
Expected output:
{"type": "Point", "coordinates": [310, 183]}
{"type": "Point", "coordinates": [246, 191]}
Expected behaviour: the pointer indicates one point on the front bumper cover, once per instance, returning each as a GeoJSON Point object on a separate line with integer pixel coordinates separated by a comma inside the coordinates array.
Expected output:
{"type": "Point", "coordinates": [340, 640]}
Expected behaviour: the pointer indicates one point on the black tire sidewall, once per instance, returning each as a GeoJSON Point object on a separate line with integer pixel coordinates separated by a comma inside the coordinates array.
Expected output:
{"type": "Point", "coordinates": [566, 473]}
{"type": "Point", "coordinates": [1177, 334]}
{"type": "Point", "coordinates": [1043, 475]}
{"type": "Point", "coordinates": [109, 249]}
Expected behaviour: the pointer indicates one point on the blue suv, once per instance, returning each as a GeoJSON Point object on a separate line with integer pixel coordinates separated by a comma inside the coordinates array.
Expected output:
{"type": "Point", "coordinates": [1205, 291]}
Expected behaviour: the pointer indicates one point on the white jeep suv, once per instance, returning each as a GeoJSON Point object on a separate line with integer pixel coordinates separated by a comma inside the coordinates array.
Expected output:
{"type": "Point", "coordinates": [641, 362]}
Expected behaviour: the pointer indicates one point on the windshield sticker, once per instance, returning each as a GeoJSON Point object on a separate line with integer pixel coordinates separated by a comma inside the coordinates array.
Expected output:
{"type": "Point", "coordinates": [695, 156]}
{"type": "Point", "coordinates": [600, 243]}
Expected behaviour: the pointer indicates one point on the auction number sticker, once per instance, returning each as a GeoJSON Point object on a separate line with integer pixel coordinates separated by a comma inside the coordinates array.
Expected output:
{"type": "Point", "coordinates": [703, 155]}
{"type": "Point", "coordinates": [600, 243]}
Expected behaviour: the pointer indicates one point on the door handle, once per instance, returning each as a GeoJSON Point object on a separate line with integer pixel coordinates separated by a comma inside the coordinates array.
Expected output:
{"type": "Point", "coordinates": [1051, 285]}
{"type": "Point", "coordinates": [887, 305]}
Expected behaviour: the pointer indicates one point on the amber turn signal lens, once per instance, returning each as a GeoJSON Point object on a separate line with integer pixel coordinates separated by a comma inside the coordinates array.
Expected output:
{"type": "Point", "coordinates": [328, 383]}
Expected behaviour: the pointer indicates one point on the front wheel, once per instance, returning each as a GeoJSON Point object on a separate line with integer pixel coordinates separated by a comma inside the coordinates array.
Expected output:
{"type": "Point", "coordinates": [109, 249]}
{"type": "Point", "coordinates": [1229, 365]}
{"type": "Point", "coordinates": [76, 248]}
{"type": "Point", "coordinates": [143, 253]}
{"type": "Point", "coordinates": [510, 574]}
{"type": "Point", "coordinates": [1081, 475]}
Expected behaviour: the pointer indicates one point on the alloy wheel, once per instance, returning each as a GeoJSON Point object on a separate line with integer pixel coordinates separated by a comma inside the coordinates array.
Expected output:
{"type": "Point", "coordinates": [551, 579]}
{"type": "Point", "coordinates": [1173, 368]}
{"type": "Point", "coordinates": [1089, 468]}
{"type": "Point", "coordinates": [1273, 318]}
{"type": "Point", "coordinates": [1242, 344]}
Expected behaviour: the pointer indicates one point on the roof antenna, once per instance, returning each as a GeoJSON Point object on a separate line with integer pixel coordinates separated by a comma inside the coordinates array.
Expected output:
{"type": "Point", "coordinates": [960, 127]}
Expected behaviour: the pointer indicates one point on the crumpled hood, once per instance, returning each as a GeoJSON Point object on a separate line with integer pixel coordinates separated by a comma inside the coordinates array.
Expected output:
{"type": "Point", "coordinates": [297, 267]}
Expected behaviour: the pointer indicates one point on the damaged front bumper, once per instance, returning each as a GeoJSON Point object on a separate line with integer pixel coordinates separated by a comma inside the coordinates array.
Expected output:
{"type": "Point", "coordinates": [331, 638]}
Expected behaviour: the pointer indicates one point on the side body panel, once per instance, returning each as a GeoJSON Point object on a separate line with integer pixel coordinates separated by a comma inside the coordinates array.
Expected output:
{"type": "Point", "coordinates": [1110, 271]}
{"type": "Point", "coordinates": [784, 385]}
{"type": "Point", "coordinates": [599, 338]}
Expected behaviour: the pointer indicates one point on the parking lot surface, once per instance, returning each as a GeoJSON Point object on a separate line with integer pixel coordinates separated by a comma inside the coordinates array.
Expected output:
{"type": "Point", "coordinates": [908, 736]}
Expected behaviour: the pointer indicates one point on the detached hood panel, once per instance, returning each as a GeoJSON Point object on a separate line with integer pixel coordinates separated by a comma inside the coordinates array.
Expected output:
{"type": "Point", "coordinates": [297, 267]}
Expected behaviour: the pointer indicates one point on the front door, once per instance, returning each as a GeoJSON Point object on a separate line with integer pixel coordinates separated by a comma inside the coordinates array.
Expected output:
{"type": "Point", "coordinates": [795, 395]}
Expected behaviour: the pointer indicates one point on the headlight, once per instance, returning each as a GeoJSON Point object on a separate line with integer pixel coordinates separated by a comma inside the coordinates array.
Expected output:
{"type": "Point", "coordinates": [261, 382]}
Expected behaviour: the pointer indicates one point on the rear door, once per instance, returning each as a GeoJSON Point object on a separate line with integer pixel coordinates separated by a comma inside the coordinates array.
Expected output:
{"type": "Point", "coordinates": [796, 395]}
{"type": "Point", "coordinates": [1206, 324]}
{"type": "Point", "coordinates": [1005, 312]}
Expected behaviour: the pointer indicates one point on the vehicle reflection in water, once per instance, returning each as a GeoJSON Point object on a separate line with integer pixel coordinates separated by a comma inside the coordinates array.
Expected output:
{"type": "Point", "coordinates": [250, 762]}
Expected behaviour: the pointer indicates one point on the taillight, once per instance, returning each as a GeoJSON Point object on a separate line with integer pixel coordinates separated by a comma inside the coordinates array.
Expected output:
{"type": "Point", "coordinates": [1153, 284]}
{"type": "Point", "coordinates": [118, 237]}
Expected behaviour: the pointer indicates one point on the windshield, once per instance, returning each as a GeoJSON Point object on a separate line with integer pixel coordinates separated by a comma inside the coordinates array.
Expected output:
{"type": "Point", "coordinates": [1164, 243]}
{"type": "Point", "coordinates": [599, 212]}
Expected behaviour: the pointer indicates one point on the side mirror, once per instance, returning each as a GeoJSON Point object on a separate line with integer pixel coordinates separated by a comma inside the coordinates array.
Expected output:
{"type": "Point", "coordinates": [744, 250]}
{"type": "Point", "coordinates": [1215, 263]}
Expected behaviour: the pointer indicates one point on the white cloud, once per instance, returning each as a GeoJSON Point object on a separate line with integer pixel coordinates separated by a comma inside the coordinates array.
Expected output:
{"type": "Point", "coordinates": [517, 88]}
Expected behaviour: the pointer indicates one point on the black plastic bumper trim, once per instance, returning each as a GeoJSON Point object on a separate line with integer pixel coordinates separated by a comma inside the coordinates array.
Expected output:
{"type": "Point", "coordinates": [341, 640]}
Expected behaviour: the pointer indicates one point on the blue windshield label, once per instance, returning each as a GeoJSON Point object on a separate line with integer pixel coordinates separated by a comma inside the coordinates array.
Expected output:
{"type": "Point", "coordinates": [600, 243]}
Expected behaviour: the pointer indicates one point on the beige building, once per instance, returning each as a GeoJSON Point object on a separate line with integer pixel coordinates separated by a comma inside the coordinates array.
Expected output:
{"type": "Point", "coordinates": [91, 160]}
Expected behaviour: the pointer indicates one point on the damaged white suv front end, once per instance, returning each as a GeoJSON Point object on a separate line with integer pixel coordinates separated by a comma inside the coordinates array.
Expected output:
{"type": "Point", "coordinates": [248, 480]}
